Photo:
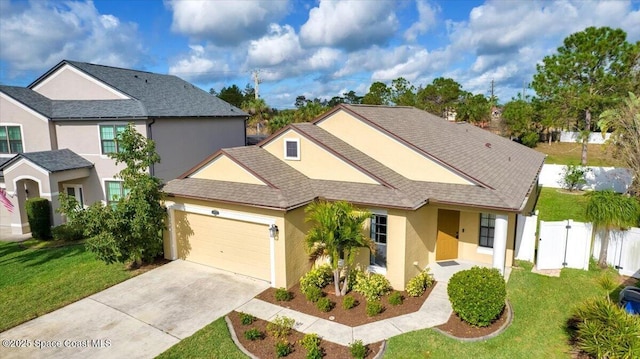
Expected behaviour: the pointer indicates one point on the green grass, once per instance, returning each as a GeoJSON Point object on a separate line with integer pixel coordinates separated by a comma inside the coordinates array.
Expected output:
{"type": "Point", "coordinates": [541, 305]}
{"type": "Point", "coordinates": [557, 206]}
{"type": "Point", "coordinates": [565, 153]}
{"type": "Point", "coordinates": [38, 280]}
{"type": "Point", "coordinates": [212, 341]}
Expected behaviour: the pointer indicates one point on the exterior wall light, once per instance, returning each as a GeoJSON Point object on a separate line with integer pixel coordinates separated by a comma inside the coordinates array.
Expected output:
{"type": "Point", "coordinates": [215, 212]}
{"type": "Point", "coordinates": [273, 230]}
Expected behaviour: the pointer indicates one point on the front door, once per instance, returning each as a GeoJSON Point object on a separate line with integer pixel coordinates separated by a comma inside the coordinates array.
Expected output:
{"type": "Point", "coordinates": [447, 240]}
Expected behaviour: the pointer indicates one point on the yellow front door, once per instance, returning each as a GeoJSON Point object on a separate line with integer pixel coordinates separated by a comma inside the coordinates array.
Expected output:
{"type": "Point", "coordinates": [447, 240]}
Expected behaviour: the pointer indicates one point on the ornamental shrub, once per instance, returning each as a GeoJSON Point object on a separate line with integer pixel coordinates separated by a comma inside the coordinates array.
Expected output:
{"type": "Point", "coordinates": [318, 277]}
{"type": "Point", "coordinates": [418, 284]}
{"type": "Point", "coordinates": [371, 286]}
{"type": "Point", "coordinates": [67, 232]}
{"type": "Point", "coordinates": [348, 302]}
{"type": "Point", "coordinates": [283, 348]}
{"type": "Point", "coordinates": [247, 319]}
{"type": "Point", "coordinates": [39, 217]}
{"type": "Point", "coordinates": [253, 334]}
{"type": "Point", "coordinates": [280, 327]}
{"type": "Point", "coordinates": [477, 295]}
{"type": "Point", "coordinates": [604, 330]}
{"type": "Point", "coordinates": [283, 295]}
{"type": "Point", "coordinates": [374, 307]}
{"type": "Point", "coordinates": [395, 298]}
{"type": "Point", "coordinates": [313, 294]}
{"type": "Point", "coordinates": [311, 342]}
{"type": "Point", "coordinates": [358, 349]}
{"type": "Point", "coordinates": [324, 304]}
{"type": "Point", "coordinates": [573, 177]}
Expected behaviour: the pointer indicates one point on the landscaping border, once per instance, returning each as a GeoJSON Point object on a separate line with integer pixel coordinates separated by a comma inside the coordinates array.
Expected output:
{"type": "Point", "coordinates": [504, 327]}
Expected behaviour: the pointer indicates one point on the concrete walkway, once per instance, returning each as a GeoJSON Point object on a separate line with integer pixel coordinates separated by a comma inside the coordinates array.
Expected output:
{"type": "Point", "coordinates": [7, 236]}
{"type": "Point", "coordinates": [435, 311]}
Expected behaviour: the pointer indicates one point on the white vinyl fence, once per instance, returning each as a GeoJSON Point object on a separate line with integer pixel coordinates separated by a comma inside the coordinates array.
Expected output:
{"type": "Point", "coordinates": [568, 244]}
{"type": "Point", "coordinates": [526, 237]}
{"type": "Point", "coordinates": [598, 178]}
{"type": "Point", "coordinates": [594, 137]}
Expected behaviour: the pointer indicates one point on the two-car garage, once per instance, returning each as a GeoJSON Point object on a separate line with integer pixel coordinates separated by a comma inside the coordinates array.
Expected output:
{"type": "Point", "coordinates": [226, 240]}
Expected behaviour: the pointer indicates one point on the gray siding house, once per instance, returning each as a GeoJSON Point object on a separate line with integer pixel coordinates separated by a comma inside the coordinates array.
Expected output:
{"type": "Point", "coordinates": [56, 133]}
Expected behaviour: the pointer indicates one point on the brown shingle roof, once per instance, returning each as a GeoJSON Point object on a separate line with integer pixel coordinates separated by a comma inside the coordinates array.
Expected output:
{"type": "Point", "coordinates": [504, 171]}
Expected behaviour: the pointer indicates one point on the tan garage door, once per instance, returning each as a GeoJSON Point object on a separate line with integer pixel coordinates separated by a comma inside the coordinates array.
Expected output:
{"type": "Point", "coordinates": [236, 246]}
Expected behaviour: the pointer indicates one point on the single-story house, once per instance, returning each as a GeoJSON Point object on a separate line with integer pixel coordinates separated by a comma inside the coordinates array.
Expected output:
{"type": "Point", "coordinates": [438, 190]}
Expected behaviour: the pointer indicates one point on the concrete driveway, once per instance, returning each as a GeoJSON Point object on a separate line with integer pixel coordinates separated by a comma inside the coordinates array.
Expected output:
{"type": "Point", "coordinates": [139, 318]}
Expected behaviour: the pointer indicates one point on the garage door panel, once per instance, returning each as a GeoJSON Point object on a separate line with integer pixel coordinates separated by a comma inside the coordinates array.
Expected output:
{"type": "Point", "coordinates": [237, 246]}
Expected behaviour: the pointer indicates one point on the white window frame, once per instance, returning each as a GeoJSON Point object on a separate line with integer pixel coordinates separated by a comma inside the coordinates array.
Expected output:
{"type": "Point", "coordinates": [78, 190]}
{"type": "Point", "coordinates": [24, 147]}
{"type": "Point", "coordinates": [373, 268]}
{"type": "Point", "coordinates": [297, 142]}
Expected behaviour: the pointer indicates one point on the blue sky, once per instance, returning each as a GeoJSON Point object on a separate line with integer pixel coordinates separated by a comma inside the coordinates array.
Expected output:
{"type": "Point", "coordinates": [312, 48]}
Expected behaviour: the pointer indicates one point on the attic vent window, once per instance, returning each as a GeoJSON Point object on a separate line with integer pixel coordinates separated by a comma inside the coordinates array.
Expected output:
{"type": "Point", "coordinates": [292, 149]}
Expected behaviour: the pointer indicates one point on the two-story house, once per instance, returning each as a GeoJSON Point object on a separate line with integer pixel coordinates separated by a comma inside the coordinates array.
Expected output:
{"type": "Point", "coordinates": [56, 134]}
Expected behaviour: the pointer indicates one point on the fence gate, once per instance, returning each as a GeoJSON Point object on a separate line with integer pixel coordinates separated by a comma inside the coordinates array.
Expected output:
{"type": "Point", "coordinates": [564, 244]}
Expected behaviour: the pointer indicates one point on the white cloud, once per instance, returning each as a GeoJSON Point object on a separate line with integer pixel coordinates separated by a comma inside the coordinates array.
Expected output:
{"type": "Point", "coordinates": [426, 20]}
{"type": "Point", "coordinates": [349, 24]}
{"type": "Point", "coordinates": [40, 34]}
{"type": "Point", "coordinates": [280, 45]}
{"type": "Point", "coordinates": [225, 23]}
{"type": "Point", "coordinates": [198, 66]}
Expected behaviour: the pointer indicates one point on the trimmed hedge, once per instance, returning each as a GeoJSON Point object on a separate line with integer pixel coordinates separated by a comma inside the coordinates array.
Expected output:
{"type": "Point", "coordinates": [477, 295]}
{"type": "Point", "coordinates": [67, 232]}
{"type": "Point", "coordinates": [39, 216]}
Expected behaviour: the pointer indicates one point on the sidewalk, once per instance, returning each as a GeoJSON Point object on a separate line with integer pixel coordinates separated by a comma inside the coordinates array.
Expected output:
{"type": "Point", "coordinates": [435, 311]}
{"type": "Point", "coordinates": [6, 236]}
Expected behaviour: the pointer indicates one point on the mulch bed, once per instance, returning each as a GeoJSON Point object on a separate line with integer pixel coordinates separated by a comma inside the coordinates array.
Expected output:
{"type": "Point", "coordinates": [352, 317]}
{"type": "Point", "coordinates": [461, 329]}
{"type": "Point", "coordinates": [265, 348]}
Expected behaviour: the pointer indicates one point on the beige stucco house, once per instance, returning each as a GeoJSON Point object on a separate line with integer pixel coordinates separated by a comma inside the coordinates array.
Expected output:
{"type": "Point", "coordinates": [437, 190]}
{"type": "Point", "coordinates": [56, 133]}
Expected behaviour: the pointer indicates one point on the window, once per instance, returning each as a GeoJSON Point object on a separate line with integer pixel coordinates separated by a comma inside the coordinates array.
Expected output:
{"type": "Point", "coordinates": [487, 227]}
{"type": "Point", "coordinates": [379, 236]}
{"type": "Point", "coordinates": [292, 149]}
{"type": "Point", "coordinates": [109, 138]}
{"type": "Point", "coordinates": [10, 139]}
{"type": "Point", "coordinates": [115, 191]}
{"type": "Point", "coordinates": [75, 190]}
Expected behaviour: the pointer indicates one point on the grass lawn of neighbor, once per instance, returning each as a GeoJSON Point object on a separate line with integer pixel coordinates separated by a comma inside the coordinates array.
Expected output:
{"type": "Point", "coordinates": [557, 205]}
{"type": "Point", "coordinates": [37, 278]}
{"type": "Point", "coordinates": [565, 153]}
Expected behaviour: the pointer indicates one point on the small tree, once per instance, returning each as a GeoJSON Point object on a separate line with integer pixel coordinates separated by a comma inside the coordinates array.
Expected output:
{"type": "Point", "coordinates": [337, 232]}
{"type": "Point", "coordinates": [573, 177]}
{"type": "Point", "coordinates": [130, 230]}
{"type": "Point", "coordinates": [609, 210]}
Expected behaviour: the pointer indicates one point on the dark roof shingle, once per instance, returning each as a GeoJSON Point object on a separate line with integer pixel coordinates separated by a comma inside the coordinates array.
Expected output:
{"type": "Point", "coordinates": [52, 161]}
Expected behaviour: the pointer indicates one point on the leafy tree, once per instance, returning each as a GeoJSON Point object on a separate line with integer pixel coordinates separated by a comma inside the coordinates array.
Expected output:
{"type": "Point", "coordinates": [232, 95]}
{"type": "Point", "coordinates": [520, 122]}
{"type": "Point", "coordinates": [281, 119]}
{"type": "Point", "coordinates": [625, 139]}
{"type": "Point", "coordinates": [336, 232]}
{"type": "Point", "coordinates": [130, 230]}
{"type": "Point", "coordinates": [589, 72]}
{"type": "Point", "coordinates": [609, 210]}
{"type": "Point", "coordinates": [309, 111]}
{"type": "Point", "coordinates": [441, 97]}
{"type": "Point", "coordinates": [379, 94]}
{"type": "Point", "coordinates": [259, 112]}
{"type": "Point", "coordinates": [402, 92]}
{"type": "Point", "coordinates": [474, 109]}
{"type": "Point", "coordinates": [352, 98]}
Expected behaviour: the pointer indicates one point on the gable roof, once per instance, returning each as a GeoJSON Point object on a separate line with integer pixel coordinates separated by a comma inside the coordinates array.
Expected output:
{"type": "Point", "coordinates": [51, 161]}
{"type": "Point", "coordinates": [503, 172]}
{"type": "Point", "coordinates": [160, 95]}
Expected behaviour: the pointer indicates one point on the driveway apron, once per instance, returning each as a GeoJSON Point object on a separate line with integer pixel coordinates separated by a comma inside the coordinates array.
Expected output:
{"type": "Point", "coordinates": [139, 318]}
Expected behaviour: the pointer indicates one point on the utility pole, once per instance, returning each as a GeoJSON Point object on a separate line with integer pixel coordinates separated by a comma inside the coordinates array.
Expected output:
{"type": "Point", "coordinates": [492, 92]}
{"type": "Point", "coordinates": [256, 81]}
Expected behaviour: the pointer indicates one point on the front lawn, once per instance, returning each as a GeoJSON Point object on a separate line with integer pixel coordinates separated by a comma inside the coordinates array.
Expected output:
{"type": "Point", "coordinates": [556, 205]}
{"type": "Point", "coordinates": [34, 281]}
{"type": "Point", "coordinates": [541, 307]}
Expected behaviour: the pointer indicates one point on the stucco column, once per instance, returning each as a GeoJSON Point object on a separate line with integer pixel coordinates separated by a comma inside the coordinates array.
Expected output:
{"type": "Point", "coordinates": [500, 242]}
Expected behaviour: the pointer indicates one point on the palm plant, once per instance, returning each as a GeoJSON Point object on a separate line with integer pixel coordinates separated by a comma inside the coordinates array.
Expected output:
{"type": "Point", "coordinates": [337, 232]}
{"type": "Point", "coordinates": [609, 210]}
